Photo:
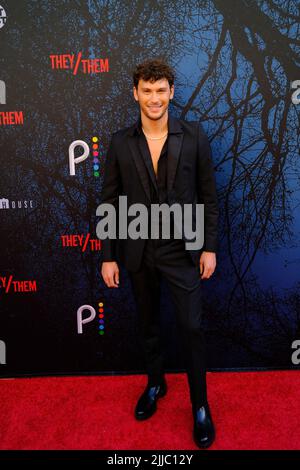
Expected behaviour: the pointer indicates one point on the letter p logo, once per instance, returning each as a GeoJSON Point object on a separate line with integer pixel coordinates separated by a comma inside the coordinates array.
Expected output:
{"type": "Point", "coordinates": [2, 352]}
{"type": "Point", "coordinates": [74, 161]}
{"type": "Point", "coordinates": [2, 92]}
{"type": "Point", "coordinates": [82, 321]}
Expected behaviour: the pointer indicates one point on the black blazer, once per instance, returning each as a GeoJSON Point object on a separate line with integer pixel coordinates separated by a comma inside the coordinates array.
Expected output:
{"type": "Point", "coordinates": [190, 180]}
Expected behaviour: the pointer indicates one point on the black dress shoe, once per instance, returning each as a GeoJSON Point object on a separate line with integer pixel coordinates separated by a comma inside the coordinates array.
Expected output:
{"type": "Point", "coordinates": [204, 432]}
{"type": "Point", "coordinates": [146, 405]}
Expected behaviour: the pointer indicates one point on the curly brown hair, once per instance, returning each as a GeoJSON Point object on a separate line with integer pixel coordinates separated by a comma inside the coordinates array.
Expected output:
{"type": "Point", "coordinates": [152, 70]}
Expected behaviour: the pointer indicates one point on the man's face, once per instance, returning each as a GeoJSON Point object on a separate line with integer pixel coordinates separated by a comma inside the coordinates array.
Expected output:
{"type": "Point", "coordinates": [154, 97]}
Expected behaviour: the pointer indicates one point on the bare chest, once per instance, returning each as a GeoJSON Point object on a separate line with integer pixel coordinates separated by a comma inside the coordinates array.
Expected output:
{"type": "Point", "coordinates": [155, 148]}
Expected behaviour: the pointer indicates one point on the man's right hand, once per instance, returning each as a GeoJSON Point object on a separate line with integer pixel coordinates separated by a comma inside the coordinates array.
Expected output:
{"type": "Point", "coordinates": [110, 273]}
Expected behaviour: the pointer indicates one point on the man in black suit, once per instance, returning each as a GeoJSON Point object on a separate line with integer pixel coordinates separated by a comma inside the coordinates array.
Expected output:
{"type": "Point", "coordinates": [164, 160]}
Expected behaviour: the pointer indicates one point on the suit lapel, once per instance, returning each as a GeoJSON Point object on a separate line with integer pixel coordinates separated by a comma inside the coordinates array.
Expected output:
{"type": "Point", "coordinates": [144, 149]}
{"type": "Point", "coordinates": [140, 164]}
{"type": "Point", "coordinates": [174, 149]}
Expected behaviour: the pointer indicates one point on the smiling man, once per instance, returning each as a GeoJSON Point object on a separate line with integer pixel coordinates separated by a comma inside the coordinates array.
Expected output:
{"type": "Point", "coordinates": [164, 160]}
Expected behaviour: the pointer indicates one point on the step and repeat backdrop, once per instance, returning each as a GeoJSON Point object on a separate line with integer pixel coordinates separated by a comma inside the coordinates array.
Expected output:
{"type": "Point", "coordinates": [65, 86]}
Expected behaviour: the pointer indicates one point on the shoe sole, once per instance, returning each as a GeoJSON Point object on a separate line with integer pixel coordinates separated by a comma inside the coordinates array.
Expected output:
{"type": "Point", "coordinates": [160, 394]}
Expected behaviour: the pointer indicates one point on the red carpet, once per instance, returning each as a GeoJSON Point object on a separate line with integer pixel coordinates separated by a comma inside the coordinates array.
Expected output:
{"type": "Point", "coordinates": [251, 410]}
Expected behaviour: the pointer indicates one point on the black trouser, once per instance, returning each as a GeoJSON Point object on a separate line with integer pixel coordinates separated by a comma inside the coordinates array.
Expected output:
{"type": "Point", "coordinates": [169, 259]}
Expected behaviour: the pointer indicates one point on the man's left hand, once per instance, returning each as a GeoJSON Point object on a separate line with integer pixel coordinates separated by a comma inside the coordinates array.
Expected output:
{"type": "Point", "coordinates": [207, 264]}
